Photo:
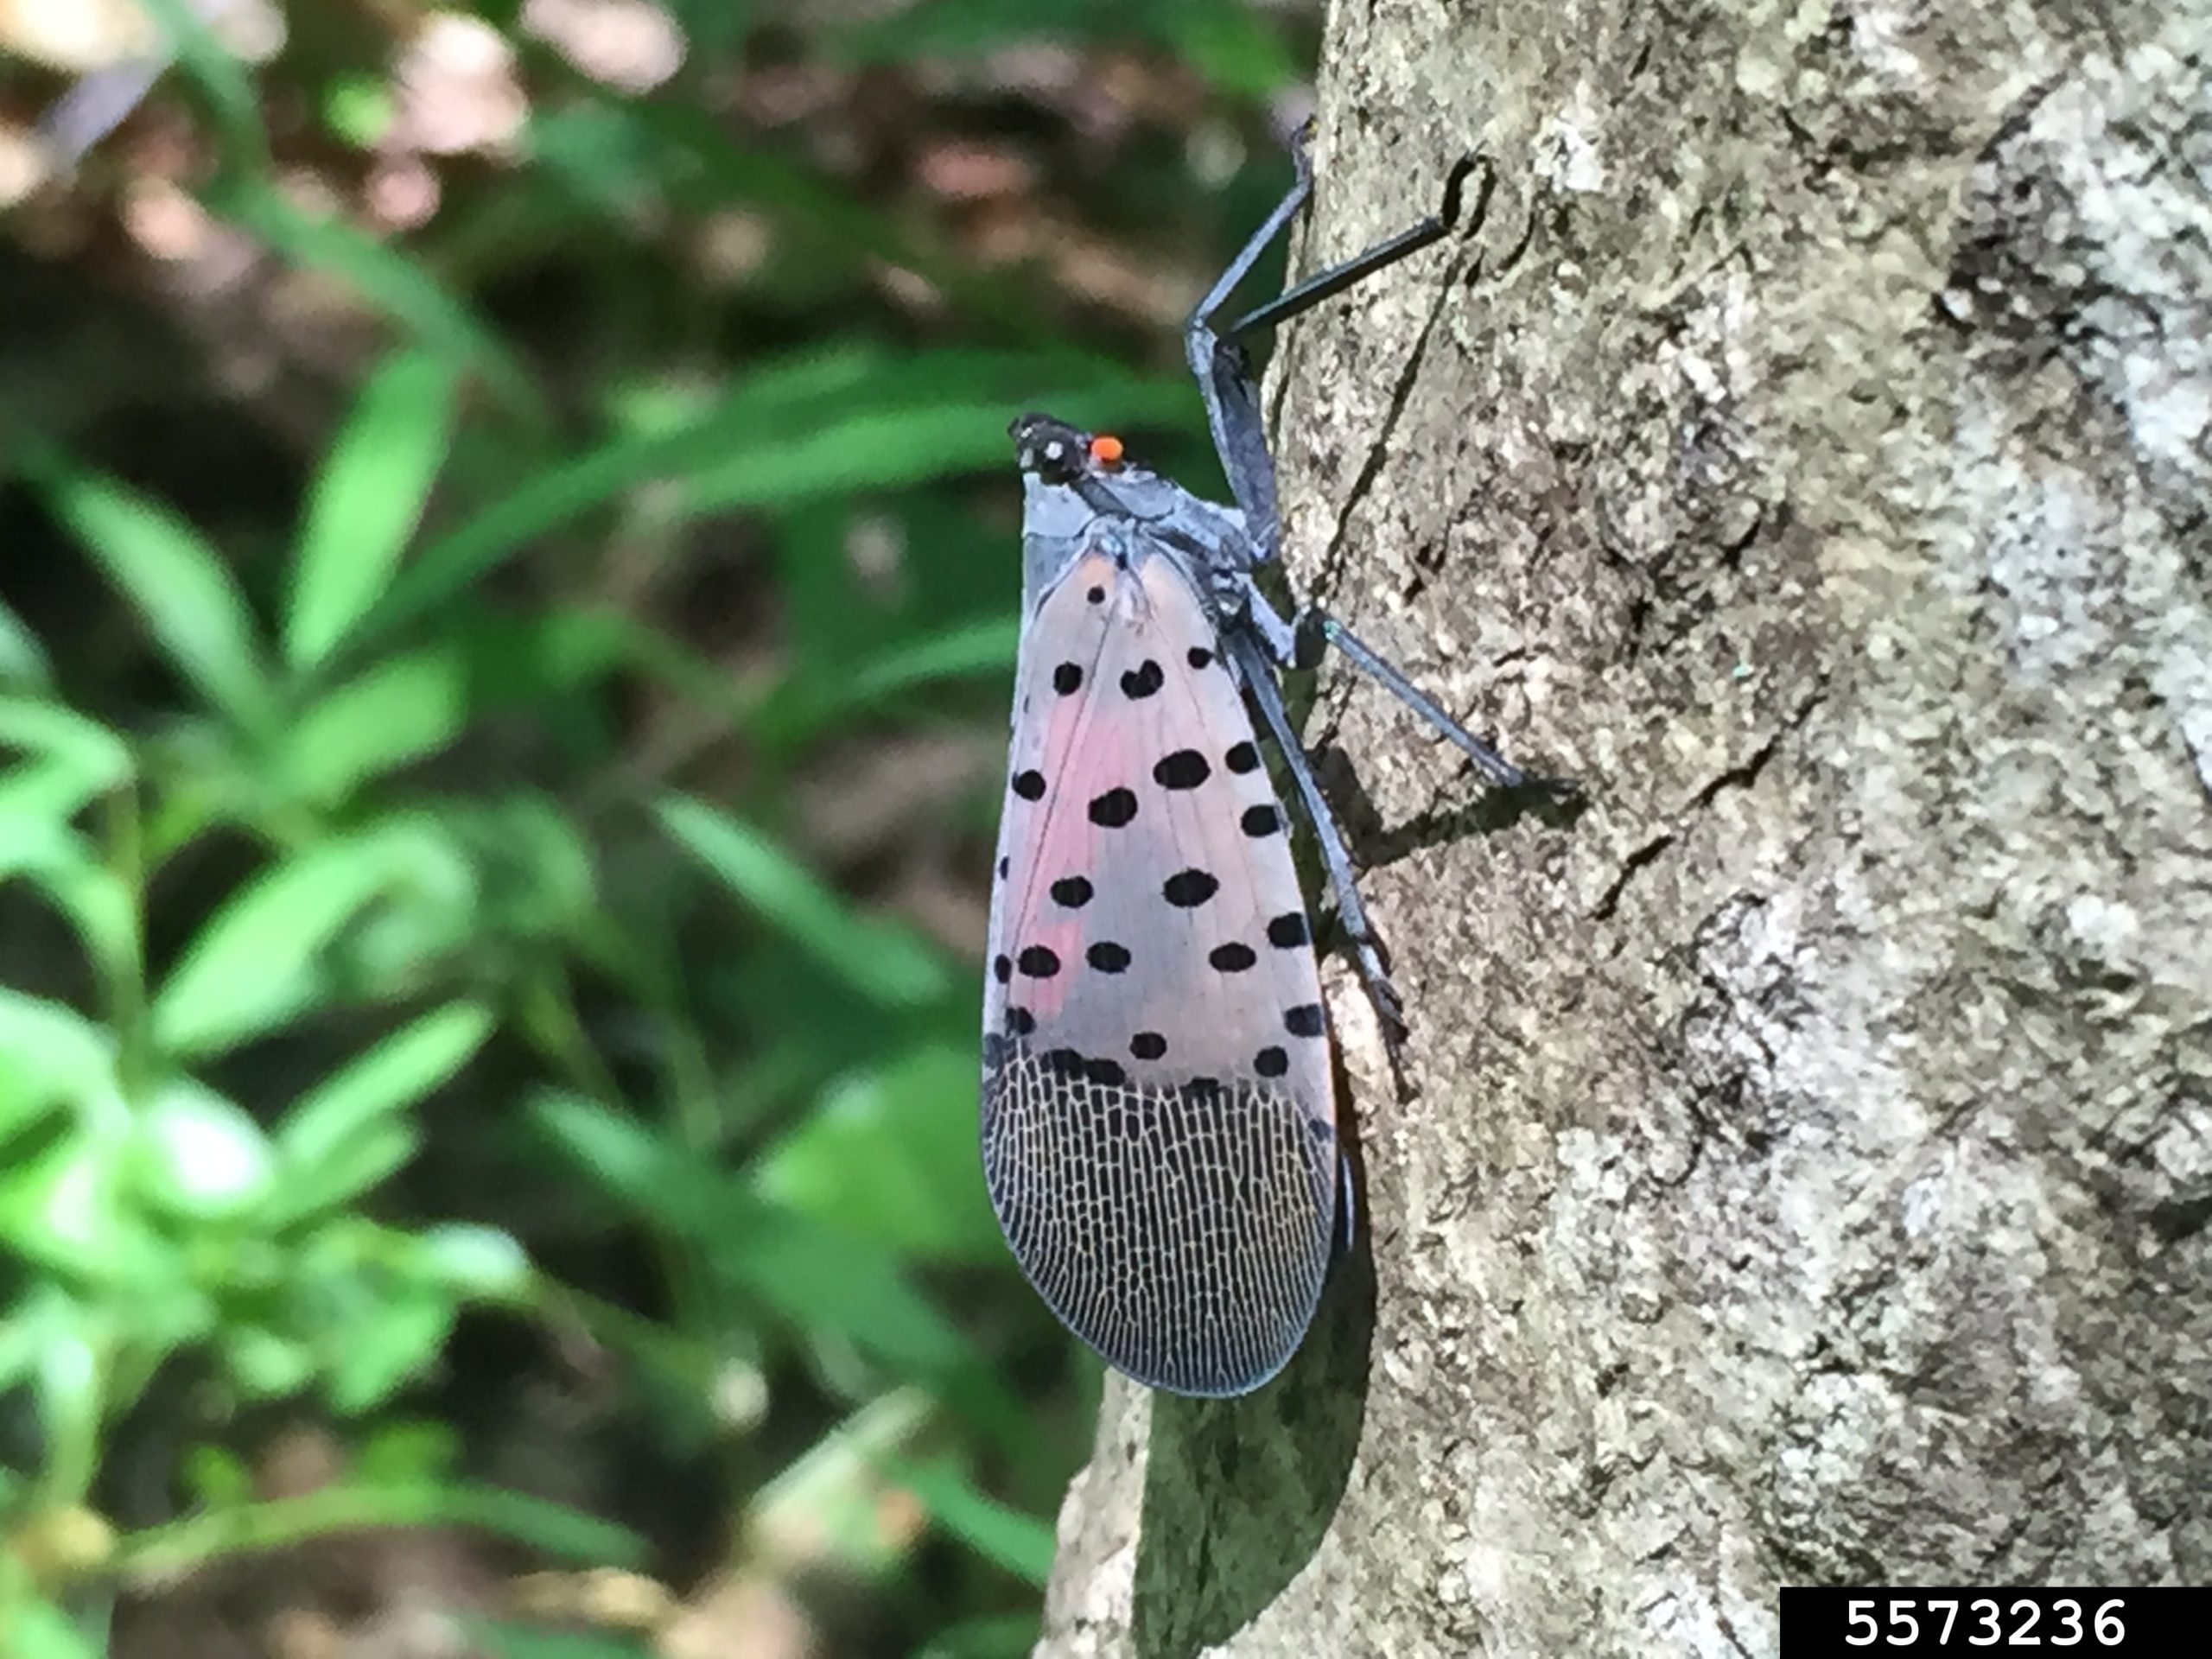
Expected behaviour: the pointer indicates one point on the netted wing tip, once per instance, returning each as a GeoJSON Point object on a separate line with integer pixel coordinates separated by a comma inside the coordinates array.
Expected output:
{"type": "Point", "coordinates": [1184, 1232]}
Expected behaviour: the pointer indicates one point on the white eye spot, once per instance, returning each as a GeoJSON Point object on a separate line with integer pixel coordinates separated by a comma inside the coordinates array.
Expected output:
{"type": "Point", "coordinates": [1055, 449]}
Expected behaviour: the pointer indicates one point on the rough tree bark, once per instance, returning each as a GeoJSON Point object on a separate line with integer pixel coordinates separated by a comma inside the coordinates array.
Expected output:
{"type": "Point", "coordinates": [1811, 1172]}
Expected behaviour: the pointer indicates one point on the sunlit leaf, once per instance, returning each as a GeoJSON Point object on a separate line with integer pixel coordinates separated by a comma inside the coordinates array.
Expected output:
{"type": "Point", "coordinates": [53, 728]}
{"type": "Point", "coordinates": [179, 586]}
{"type": "Point", "coordinates": [41, 1630]}
{"type": "Point", "coordinates": [200, 1155]}
{"type": "Point", "coordinates": [252, 965]}
{"type": "Point", "coordinates": [474, 1262]}
{"type": "Point", "coordinates": [399, 711]}
{"type": "Point", "coordinates": [49, 1052]}
{"type": "Point", "coordinates": [883, 964]}
{"type": "Point", "coordinates": [367, 499]}
{"type": "Point", "coordinates": [391, 1338]}
{"type": "Point", "coordinates": [62, 1205]}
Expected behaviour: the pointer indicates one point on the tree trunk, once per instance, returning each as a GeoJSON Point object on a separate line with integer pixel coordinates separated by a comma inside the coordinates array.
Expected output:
{"type": "Point", "coordinates": [1810, 1173]}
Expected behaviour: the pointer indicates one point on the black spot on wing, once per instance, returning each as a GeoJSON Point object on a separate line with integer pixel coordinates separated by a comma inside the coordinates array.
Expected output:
{"type": "Point", "coordinates": [1185, 769]}
{"type": "Point", "coordinates": [1071, 892]}
{"type": "Point", "coordinates": [1261, 820]}
{"type": "Point", "coordinates": [1242, 757]}
{"type": "Point", "coordinates": [1288, 931]}
{"type": "Point", "coordinates": [1108, 958]}
{"type": "Point", "coordinates": [1143, 680]}
{"type": "Point", "coordinates": [1067, 678]}
{"type": "Point", "coordinates": [1116, 808]}
{"type": "Point", "coordinates": [1232, 958]}
{"type": "Point", "coordinates": [1186, 889]}
{"type": "Point", "coordinates": [1029, 784]}
{"type": "Point", "coordinates": [1038, 962]}
{"type": "Point", "coordinates": [1148, 1045]}
{"type": "Point", "coordinates": [1304, 1021]}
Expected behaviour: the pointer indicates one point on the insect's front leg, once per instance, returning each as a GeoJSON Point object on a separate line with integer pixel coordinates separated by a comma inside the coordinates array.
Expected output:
{"type": "Point", "coordinates": [1315, 631]}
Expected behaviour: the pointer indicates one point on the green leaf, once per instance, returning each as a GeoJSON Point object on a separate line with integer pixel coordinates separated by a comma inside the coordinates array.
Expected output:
{"type": "Point", "coordinates": [647, 1173]}
{"type": "Point", "coordinates": [1020, 1543]}
{"type": "Point", "coordinates": [991, 1635]}
{"type": "Point", "coordinates": [828, 1284]}
{"type": "Point", "coordinates": [1225, 42]}
{"type": "Point", "coordinates": [400, 287]}
{"type": "Point", "coordinates": [253, 965]}
{"type": "Point", "coordinates": [889, 1156]}
{"type": "Point", "coordinates": [367, 500]}
{"type": "Point", "coordinates": [823, 424]}
{"type": "Point", "coordinates": [222, 80]}
{"type": "Point", "coordinates": [49, 1053]}
{"type": "Point", "coordinates": [179, 585]}
{"type": "Point", "coordinates": [61, 1206]}
{"type": "Point", "coordinates": [393, 1338]}
{"type": "Point", "coordinates": [200, 1155]}
{"type": "Point", "coordinates": [264, 1364]}
{"type": "Point", "coordinates": [886, 964]}
{"type": "Point", "coordinates": [399, 711]}
{"type": "Point", "coordinates": [40, 1630]}
{"type": "Point", "coordinates": [482, 1263]}
{"type": "Point", "coordinates": [505, 1641]}
{"type": "Point", "coordinates": [23, 658]}
{"type": "Point", "coordinates": [65, 867]}
{"type": "Point", "coordinates": [163, 1554]}
{"type": "Point", "coordinates": [339, 1139]}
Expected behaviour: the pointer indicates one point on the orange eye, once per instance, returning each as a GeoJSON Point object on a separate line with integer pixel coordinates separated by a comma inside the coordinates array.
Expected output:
{"type": "Point", "coordinates": [1106, 451]}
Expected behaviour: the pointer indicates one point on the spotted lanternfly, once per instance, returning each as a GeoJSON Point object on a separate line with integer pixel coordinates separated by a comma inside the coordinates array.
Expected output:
{"type": "Point", "coordinates": [1159, 1113]}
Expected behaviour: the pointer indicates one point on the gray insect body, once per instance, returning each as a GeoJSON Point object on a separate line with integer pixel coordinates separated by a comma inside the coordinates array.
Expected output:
{"type": "Point", "coordinates": [1158, 1120]}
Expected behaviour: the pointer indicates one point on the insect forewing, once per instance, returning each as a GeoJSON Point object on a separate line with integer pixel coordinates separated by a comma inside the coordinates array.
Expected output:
{"type": "Point", "coordinates": [1158, 1116]}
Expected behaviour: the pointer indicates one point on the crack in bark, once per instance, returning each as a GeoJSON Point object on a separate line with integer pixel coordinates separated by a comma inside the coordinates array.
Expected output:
{"type": "Point", "coordinates": [1743, 775]}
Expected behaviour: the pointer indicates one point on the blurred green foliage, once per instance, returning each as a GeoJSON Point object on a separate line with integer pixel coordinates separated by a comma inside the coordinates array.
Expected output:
{"type": "Point", "coordinates": [423, 984]}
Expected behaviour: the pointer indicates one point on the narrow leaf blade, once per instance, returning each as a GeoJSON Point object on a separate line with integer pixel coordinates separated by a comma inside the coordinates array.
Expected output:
{"type": "Point", "coordinates": [367, 501]}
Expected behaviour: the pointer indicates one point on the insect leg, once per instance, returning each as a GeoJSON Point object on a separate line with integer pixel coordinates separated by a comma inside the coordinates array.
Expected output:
{"type": "Point", "coordinates": [1351, 914]}
{"type": "Point", "coordinates": [1225, 377]}
{"type": "Point", "coordinates": [1327, 284]}
{"type": "Point", "coordinates": [1316, 627]}
{"type": "Point", "coordinates": [1299, 645]}
{"type": "Point", "coordinates": [1217, 357]}
{"type": "Point", "coordinates": [1347, 1209]}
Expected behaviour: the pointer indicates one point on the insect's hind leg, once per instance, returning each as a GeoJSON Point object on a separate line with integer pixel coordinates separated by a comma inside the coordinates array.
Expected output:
{"type": "Point", "coordinates": [1217, 359]}
{"type": "Point", "coordinates": [1315, 629]}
